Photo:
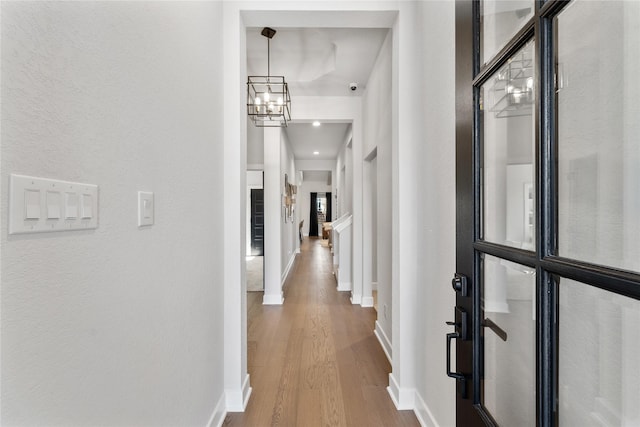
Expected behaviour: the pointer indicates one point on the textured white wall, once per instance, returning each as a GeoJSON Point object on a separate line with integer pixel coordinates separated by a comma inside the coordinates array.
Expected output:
{"type": "Point", "coordinates": [119, 325]}
{"type": "Point", "coordinates": [377, 134]}
{"type": "Point", "coordinates": [289, 232]}
{"type": "Point", "coordinates": [255, 144]}
{"type": "Point", "coordinates": [436, 212]}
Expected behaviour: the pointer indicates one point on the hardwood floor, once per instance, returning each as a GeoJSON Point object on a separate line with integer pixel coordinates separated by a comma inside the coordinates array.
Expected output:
{"type": "Point", "coordinates": [315, 361]}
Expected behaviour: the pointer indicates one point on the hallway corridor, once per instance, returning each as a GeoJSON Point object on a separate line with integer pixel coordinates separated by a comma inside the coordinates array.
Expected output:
{"type": "Point", "coordinates": [315, 361]}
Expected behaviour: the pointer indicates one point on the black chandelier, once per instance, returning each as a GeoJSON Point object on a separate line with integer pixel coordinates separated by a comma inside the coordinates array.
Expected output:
{"type": "Point", "coordinates": [268, 99]}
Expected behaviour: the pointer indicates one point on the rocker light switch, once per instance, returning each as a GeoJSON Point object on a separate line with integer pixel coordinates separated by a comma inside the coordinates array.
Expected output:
{"type": "Point", "coordinates": [87, 203]}
{"type": "Point", "coordinates": [71, 205]}
{"type": "Point", "coordinates": [32, 204]}
{"type": "Point", "coordinates": [53, 205]}
{"type": "Point", "coordinates": [145, 208]}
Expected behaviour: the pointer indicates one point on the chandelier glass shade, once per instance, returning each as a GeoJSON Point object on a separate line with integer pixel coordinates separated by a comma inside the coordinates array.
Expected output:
{"type": "Point", "coordinates": [268, 99]}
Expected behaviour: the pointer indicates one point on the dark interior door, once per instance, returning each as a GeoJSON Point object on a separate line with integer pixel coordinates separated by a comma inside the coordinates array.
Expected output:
{"type": "Point", "coordinates": [257, 222]}
{"type": "Point", "coordinates": [461, 333]}
{"type": "Point", "coordinates": [548, 279]}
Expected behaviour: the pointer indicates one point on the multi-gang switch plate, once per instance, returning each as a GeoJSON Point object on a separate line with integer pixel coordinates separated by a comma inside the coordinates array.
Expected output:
{"type": "Point", "coordinates": [38, 205]}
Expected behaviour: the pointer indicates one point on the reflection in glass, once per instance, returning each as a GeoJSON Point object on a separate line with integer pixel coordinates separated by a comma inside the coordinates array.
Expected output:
{"type": "Point", "coordinates": [507, 100]}
{"type": "Point", "coordinates": [508, 301]}
{"type": "Point", "coordinates": [599, 380]}
{"type": "Point", "coordinates": [599, 133]}
{"type": "Point", "coordinates": [500, 20]}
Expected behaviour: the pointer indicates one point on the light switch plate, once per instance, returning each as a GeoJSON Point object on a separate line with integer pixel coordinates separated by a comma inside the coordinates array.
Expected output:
{"type": "Point", "coordinates": [38, 205]}
{"type": "Point", "coordinates": [145, 208]}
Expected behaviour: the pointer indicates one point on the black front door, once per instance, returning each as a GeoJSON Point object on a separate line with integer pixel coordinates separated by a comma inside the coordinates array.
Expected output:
{"type": "Point", "coordinates": [257, 222]}
{"type": "Point", "coordinates": [548, 213]}
{"type": "Point", "coordinates": [461, 333]}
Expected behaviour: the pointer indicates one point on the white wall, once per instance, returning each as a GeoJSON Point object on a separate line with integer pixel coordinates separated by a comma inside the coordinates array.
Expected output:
{"type": "Point", "coordinates": [289, 231]}
{"type": "Point", "coordinates": [435, 256]}
{"type": "Point", "coordinates": [377, 135]}
{"type": "Point", "coordinates": [255, 144]}
{"type": "Point", "coordinates": [273, 216]}
{"type": "Point", "coordinates": [344, 176]}
{"type": "Point", "coordinates": [118, 325]}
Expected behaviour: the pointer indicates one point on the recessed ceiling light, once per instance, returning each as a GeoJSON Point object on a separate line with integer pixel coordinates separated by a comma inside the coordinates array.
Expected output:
{"type": "Point", "coordinates": [316, 123]}
{"type": "Point", "coordinates": [315, 153]}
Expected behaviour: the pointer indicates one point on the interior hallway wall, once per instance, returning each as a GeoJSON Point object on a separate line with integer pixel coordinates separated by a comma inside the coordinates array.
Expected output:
{"type": "Point", "coordinates": [377, 135]}
{"type": "Point", "coordinates": [118, 325]}
{"type": "Point", "coordinates": [289, 230]}
{"type": "Point", "coordinates": [435, 257]}
{"type": "Point", "coordinates": [255, 144]}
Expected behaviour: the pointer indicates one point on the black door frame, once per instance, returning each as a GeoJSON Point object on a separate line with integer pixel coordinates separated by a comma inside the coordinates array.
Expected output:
{"type": "Point", "coordinates": [470, 247]}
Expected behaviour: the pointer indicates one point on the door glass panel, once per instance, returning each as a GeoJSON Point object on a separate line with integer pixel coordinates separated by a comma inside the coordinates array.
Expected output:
{"type": "Point", "coordinates": [599, 380]}
{"type": "Point", "coordinates": [508, 301]}
{"type": "Point", "coordinates": [508, 193]}
{"type": "Point", "coordinates": [599, 133]}
{"type": "Point", "coordinates": [500, 20]}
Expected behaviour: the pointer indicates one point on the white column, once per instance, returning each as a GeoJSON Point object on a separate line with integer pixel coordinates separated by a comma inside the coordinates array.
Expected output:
{"type": "Point", "coordinates": [236, 378]}
{"type": "Point", "coordinates": [272, 218]}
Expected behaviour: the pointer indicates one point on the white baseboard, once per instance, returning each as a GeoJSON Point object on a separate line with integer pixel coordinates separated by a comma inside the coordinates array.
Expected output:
{"type": "Point", "coordinates": [287, 269]}
{"type": "Point", "coordinates": [298, 250]}
{"type": "Point", "coordinates": [367, 302]}
{"type": "Point", "coordinates": [356, 299]}
{"type": "Point", "coordinates": [273, 299]}
{"type": "Point", "coordinates": [236, 400]}
{"type": "Point", "coordinates": [344, 286]}
{"type": "Point", "coordinates": [219, 413]}
{"type": "Point", "coordinates": [403, 398]}
{"type": "Point", "coordinates": [424, 415]}
{"type": "Point", "coordinates": [384, 341]}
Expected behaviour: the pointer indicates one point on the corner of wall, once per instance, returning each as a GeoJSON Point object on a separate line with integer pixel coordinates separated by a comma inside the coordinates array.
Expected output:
{"type": "Point", "coordinates": [219, 413]}
{"type": "Point", "coordinates": [423, 413]}
{"type": "Point", "coordinates": [384, 341]}
{"type": "Point", "coordinates": [237, 400]}
{"type": "Point", "coordinates": [403, 398]}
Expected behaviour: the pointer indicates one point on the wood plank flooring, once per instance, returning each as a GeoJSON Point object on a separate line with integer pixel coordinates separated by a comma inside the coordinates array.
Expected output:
{"type": "Point", "coordinates": [315, 361]}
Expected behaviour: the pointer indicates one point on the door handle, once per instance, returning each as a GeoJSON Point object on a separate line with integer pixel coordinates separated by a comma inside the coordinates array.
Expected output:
{"type": "Point", "coordinates": [457, 375]}
{"type": "Point", "coordinates": [461, 332]}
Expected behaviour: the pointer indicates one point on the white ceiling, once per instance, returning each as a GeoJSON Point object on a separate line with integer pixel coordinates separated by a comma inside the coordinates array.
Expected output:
{"type": "Point", "coordinates": [327, 139]}
{"type": "Point", "coordinates": [317, 61]}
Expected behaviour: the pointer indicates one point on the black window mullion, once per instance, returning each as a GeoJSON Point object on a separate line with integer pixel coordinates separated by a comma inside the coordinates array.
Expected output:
{"type": "Point", "coordinates": [546, 220]}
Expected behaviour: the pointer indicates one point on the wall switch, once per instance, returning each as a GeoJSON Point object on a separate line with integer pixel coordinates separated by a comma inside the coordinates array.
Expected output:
{"type": "Point", "coordinates": [53, 204]}
{"type": "Point", "coordinates": [87, 206]}
{"type": "Point", "coordinates": [145, 208]}
{"type": "Point", "coordinates": [39, 205]}
{"type": "Point", "coordinates": [71, 205]}
{"type": "Point", "coordinates": [32, 204]}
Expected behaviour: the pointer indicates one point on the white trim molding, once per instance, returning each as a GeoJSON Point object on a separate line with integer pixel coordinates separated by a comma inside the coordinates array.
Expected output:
{"type": "Point", "coordinates": [236, 400]}
{"type": "Point", "coordinates": [424, 415]}
{"type": "Point", "coordinates": [403, 398]}
{"type": "Point", "coordinates": [273, 299]}
{"type": "Point", "coordinates": [288, 268]}
{"type": "Point", "coordinates": [367, 302]}
{"type": "Point", "coordinates": [219, 413]}
{"type": "Point", "coordinates": [384, 341]}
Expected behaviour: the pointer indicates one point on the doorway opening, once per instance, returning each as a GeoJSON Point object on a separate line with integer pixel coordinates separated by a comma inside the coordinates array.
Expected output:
{"type": "Point", "coordinates": [255, 233]}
